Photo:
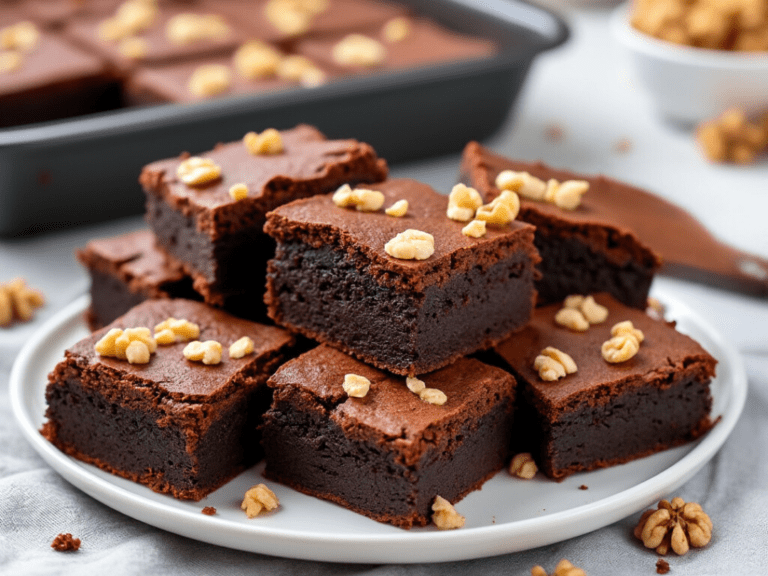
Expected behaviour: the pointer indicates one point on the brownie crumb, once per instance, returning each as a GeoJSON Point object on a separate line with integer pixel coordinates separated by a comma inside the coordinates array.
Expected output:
{"type": "Point", "coordinates": [623, 146]}
{"type": "Point", "coordinates": [662, 566]}
{"type": "Point", "coordinates": [209, 510]}
{"type": "Point", "coordinates": [583, 487]}
{"type": "Point", "coordinates": [65, 543]}
{"type": "Point", "coordinates": [554, 132]}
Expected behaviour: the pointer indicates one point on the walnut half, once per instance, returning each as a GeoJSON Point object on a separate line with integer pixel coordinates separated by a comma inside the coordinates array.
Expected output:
{"type": "Point", "coordinates": [674, 525]}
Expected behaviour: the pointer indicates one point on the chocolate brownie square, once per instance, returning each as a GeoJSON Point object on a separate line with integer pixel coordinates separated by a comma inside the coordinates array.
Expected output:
{"type": "Point", "coordinates": [386, 455]}
{"type": "Point", "coordinates": [589, 249]}
{"type": "Point", "coordinates": [125, 270]}
{"type": "Point", "coordinates": [219, 240]}
{"type": "Point", "coordinates": [608, 413]}
{"type": "Point", "coordinates": [333, 281]}
{"type": "Point", "coordinates": [180, 427]}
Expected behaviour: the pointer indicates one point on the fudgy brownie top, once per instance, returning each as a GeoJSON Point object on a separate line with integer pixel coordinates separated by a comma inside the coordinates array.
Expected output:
{"type": "Point", "coordinates": [426, 43]}
{"type": "Point", "coordinates": [616, 218]}
{"type": "Point", "coordinates": [390, 412]}
{"type": "Point", "coordinates": [318, 221]}
{"type": "Point", "coordinates": [308, 163]}
{"type": "Point", "coordinates": [665, 354]}
{"type": "Point", "coordinates": [134, 258]}
{"type": "Point", "coordinates": [168, 373]}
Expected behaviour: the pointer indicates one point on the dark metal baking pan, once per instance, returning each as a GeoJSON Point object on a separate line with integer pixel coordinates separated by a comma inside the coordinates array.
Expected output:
{"type": "Point", "coordinates": [85, 169]}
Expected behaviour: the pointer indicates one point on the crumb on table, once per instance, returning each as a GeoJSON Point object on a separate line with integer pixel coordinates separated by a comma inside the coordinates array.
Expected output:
{"type": "Point", "coordinates": [583, 487]}
{"type": "Point", "coordinates": [209, 510]}
{"type": "Point", "coordinates": [662, 566]}
{"type": "Point", "coordinates": [65, 543]}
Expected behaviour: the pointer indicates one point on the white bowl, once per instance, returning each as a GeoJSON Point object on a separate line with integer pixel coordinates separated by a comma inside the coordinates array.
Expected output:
{"type": "Point", "coordinates": [688, 84]}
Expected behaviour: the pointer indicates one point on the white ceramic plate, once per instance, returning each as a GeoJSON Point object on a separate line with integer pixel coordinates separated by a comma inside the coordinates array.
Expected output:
{"type": "Point", "coordinates": [507, 515]}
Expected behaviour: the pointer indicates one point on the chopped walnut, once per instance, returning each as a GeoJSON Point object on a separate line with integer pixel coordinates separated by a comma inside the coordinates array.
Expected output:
{"type": "Point", "coordinates": [188, 28]}
{"type": "Point", "coordinates": [360, 198]}
{"type": "Point", "coordinates": [65, 542]}
{"type": "Point", "coordinates": [502, 210]}
{"type": "Point", "coordinates": [22, 36]}
{"type": "Point", "coordinates": [18, 301]}
{"type": "Point", "coordinates": [445, 516]}
{"type": "Point", "coordinates": [131, 18]}
{"type": "Point", "coordinates": [475, 229]}
{"type": "Point", "coordinates": [593, 312]}
{"type": "Point", "coordinates": [414, 384]}
{"type": "Point", "coordinates": [268, 142]}
{"type": "Point", "coordinates": [523, 466]}
{"type": "Point", "coordinates": [433, 396]}
{"type": "Point", "coordinates": [241, 348]}
{"type": "Point", "coordinates": [733, 138]}
{"type": "Point", "coordinates": [208, 352]}
{"type": "Point", "coordinates": [10, 61]}
{"type": "Point", "coordinates": [356, 386]}
{"type": "Point", "coordinates": [209, 80]}
{"type": "Point", "coordinates": [256, 59]}
{"type": "Point", "coordinates": [411, 245]}
{"type": "Point", "coordinates": [132, 344]}
{"type": "Point", "coordinates": [238, 191]}
{"type": "Point", "coordinates": [553, 364]}
{"type": "Point", "coordinates": [572, 319]}
{"type": "Point", "coordinates": [173, 330]}
{"type": "Point", "coordinates": [568, 194]}
{"type": "Point", "coordinates": [398, 209]}
{"type": "Point", "coordinates": [197, 171]}
{"type": "Point", "coordinates": [259, 499]}
{"type": "Point", "coordinates": [134, 48]}
{"type": "Point", "coordinates": [463, 201]}
{"type": "Point", "coordinates": [522, 183]}
{"type": "Point", "coordinates": [137, 353]}
{"type": "Point", "coordinates": [397, 29]}
{"type": "Point", "coordinates": [674, 525]}
{"type": "Point", "coordinates": [627, 327]}
{"type": "Point", "coordinates": [301, 69]}
{"type": "Point", "coordinates": [293, 17]}
{"type": "Point", "coordinates": [359, 50]}
{"type": "Point", "coordinates": [563, 568]}
{"type": "Point", "coordinates": [624, 344]}
{"type": "Point", "coordinates": [579, 312]}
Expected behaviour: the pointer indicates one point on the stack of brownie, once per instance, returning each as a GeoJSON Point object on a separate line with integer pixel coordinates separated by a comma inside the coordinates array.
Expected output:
{"type": "Point", "coordinates": [393, 407]}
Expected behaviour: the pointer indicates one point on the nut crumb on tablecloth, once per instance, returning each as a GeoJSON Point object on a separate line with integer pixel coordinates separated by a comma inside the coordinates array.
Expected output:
{"type": "Point", "coordinates": [662, 566]}
{"type": "Point", "coordinates": [64, 542]}
{"type": "Point", "coordinates": [209, 510]}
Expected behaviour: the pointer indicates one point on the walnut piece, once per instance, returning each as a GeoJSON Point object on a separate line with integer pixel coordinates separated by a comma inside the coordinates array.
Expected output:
{"type": "Point", "coordinates": [397, 29]}
{"type": "Point", "coordinates": [198, 171]}
{"type": "Point", "coordinates": [259, 499]}
{"type": "Point", "coordinates": [187, 28]}
{"type": "Point", "coordinates": [523, 466]}
{"type": "Point", "coordinates": [475, 229]}
{"type": "Point", "coordinates": [502, 210]}
{"type": "Point", "coordinates": [566, 195]}
{"type": "Point", "coordinates": [674, 525]}
{"type": "Point", "coordinates": [293, 17]}
{"type": "Point", "coordinates": [553, 364]}
{"type": "Point", "coordinates": [65, 542]}
{"type": "Point", "coordinates": [522, 183]}
{"type": "Point", "coordinates": [209, 80]}
{"type": "Point", "coordinates": [445, 516]}
{"type": "Point", "coordinates": [356, 386]}
{"type": "Point", "coordinates": [10, 61]}
{"type": "Point", "coordinates": [360, 198]}
{"type": "Point", "coordinates": [301, 69]}
{"type": "Point", "coordinates": [256, 59]}
{"type": "Point", "coordinates": [238, 191]}
{"type": "Point", "coordinates": [22, 36]}
{"type": "Point", "coordinates": [398, 209]}
{"type": "Point", "coordinates": [433, 396]}
{"type": "Point", "coordinates": [359, 50]}
{"type": "Point", "coordinates": [131, 18]}
{"type": "Point", "coordinates": [563, 568]}
{"type": "Point", "coordinates": [208, 352]}
{"type": "Point", "coordinates": [624, 344]}
{"type": "Point", "coordinates": [579, 312]}
{"type": "Point", "coordinates": [411, 245]}
{"type": "Point", "coordinates": [134, 48]}
{"type": "Point", "coordinates": [733, 137]}
{"type": "Point", "coordinates": [132, 344]}
{"type": "Point", "coordinates": [173, 330]}
{"type": "Point", "coordinates": [18, 301]}
{"type": "Point", "coordinates": [268, 142]}
{"type": "Point", "coordinates": [463, 201]}
{"type": "Point", "coordinates": [414, 384]}
{"type": "Point", "coordinates": [241, 348]}
{"type": "Point", "coordinates": [572, 318]}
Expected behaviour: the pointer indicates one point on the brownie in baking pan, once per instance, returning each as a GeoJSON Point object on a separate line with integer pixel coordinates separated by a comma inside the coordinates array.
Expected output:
{"type": "Point", "coordinates": [125, 270]}
{"type": "Point", "coordinates": [178, 426]}
{"type": "Point", "coordinates": [608, 413]}
{"type": "Point", "coordinates": [588, 249]}
{"type": "Point", "coordinates": [388, 454]}
{"type": "Point", "coordinates": [333, 280]}
{"type": "Point", "coordinates": [218, 239]}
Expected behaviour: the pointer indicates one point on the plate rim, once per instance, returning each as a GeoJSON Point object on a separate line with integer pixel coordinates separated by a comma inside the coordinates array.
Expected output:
{"type": "Point", "coordinates": [413, 547]}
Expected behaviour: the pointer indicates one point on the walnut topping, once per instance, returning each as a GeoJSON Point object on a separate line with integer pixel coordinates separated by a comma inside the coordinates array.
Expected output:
{"type": "Point", "coordinates": [553, 364]}
{"type": "Point", "coordinates": [463, 201]}
{"type": "Point", "coordinates": [134, 48]}
{"type": "Point", "coordinates": [414, 384]}
{"type": "Point", "coordinates": [256, 60]}
{"type": "Point", "coordinates": [445, 516]}
{"type": "Point", "coordinates": [22, 36]}
{"type": "Point", "coordinates": [627, 327]}
{"type": "Point", "coordinates": [266, 143]}
{"type": "Point", "coordinates": [198, 171]}
{"type": "Point", "coordinates": [132, 344]}
{"type": "Point", "coordinates": [397, 29]}
{"type": "Point", "coordinates": [523, 466]}
{"type": "Point", "coordinates": [733, 137]}
{"type": "Point", "coordinates": [624, 344]}
{"type": "Point", "coordinates": [523, 183]}
{"type": "Point", "coordinates": [502, 210]}
{"type": "Point", "coordinates": [398, 209]}
{"type": "Point", "coordinates": [566, 195]}
{"type": "Point", "coordinates": [360, 198]}
{"type": "Point", "coordinates": [208, 352]}
{"type": "Point", "coordinates": [433, 396]}
{"type": "Point", "coordinates": [188, 27]}
{"type": "Point", "coordinates": [356, 386]}
{"type": "Point", "coordinates": [411, 245]}
{"type": "Point", "coordinates": [359, 50]}
{"type": "Point", "coordinates": [10, 61]}
{"type": "Point", "coordinates": [563, 568]}
{"type": "Point", "coordinates": [572, 319]}
{"type": "Point", "coordinates": [475, 229]}
{"type": "Point", "coordinates": [674, 525]}
{"type": "Point", "coordinates": [18, 301]}
{"type": "Point", "coordinates": [131, 18]}
{"type": "Point", "coordinates": [172, 330]}
{"type": "Point", "coordinates": [301, 69]}
{"type": "Point", "coordinates": [238, 191]}
{"type": "Point", "coordinates": [241, 347]}
{"type": "Point", "coordinates": [209, 80]}
{"type": "Point", "coordinates": [579, 312]}
{"type": "Point", "coordinates": [259, 499]}
{"type": "Point", "coordinates": [293, 17]}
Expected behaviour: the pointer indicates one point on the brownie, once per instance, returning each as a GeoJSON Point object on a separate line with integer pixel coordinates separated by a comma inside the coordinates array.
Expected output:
{"type": "Point", "coordinates": [590, 249]}
{"type": "Point", "coordinates": [607, 414]}
{"type": "Point", "coordinates": [180, 427]}
{"type": "Point", "coordinates": [332, 280]}
{"type": "Point", "coordinates": [56, 13]}
{"type": "Point", "coordinates": [52, 80]}
{"type": "Point", "coordinates": [219, 240]}
{"type": "Point", "coordinates": [389, 454]}
{"type": "Point", "coordinates": [125, 270]}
